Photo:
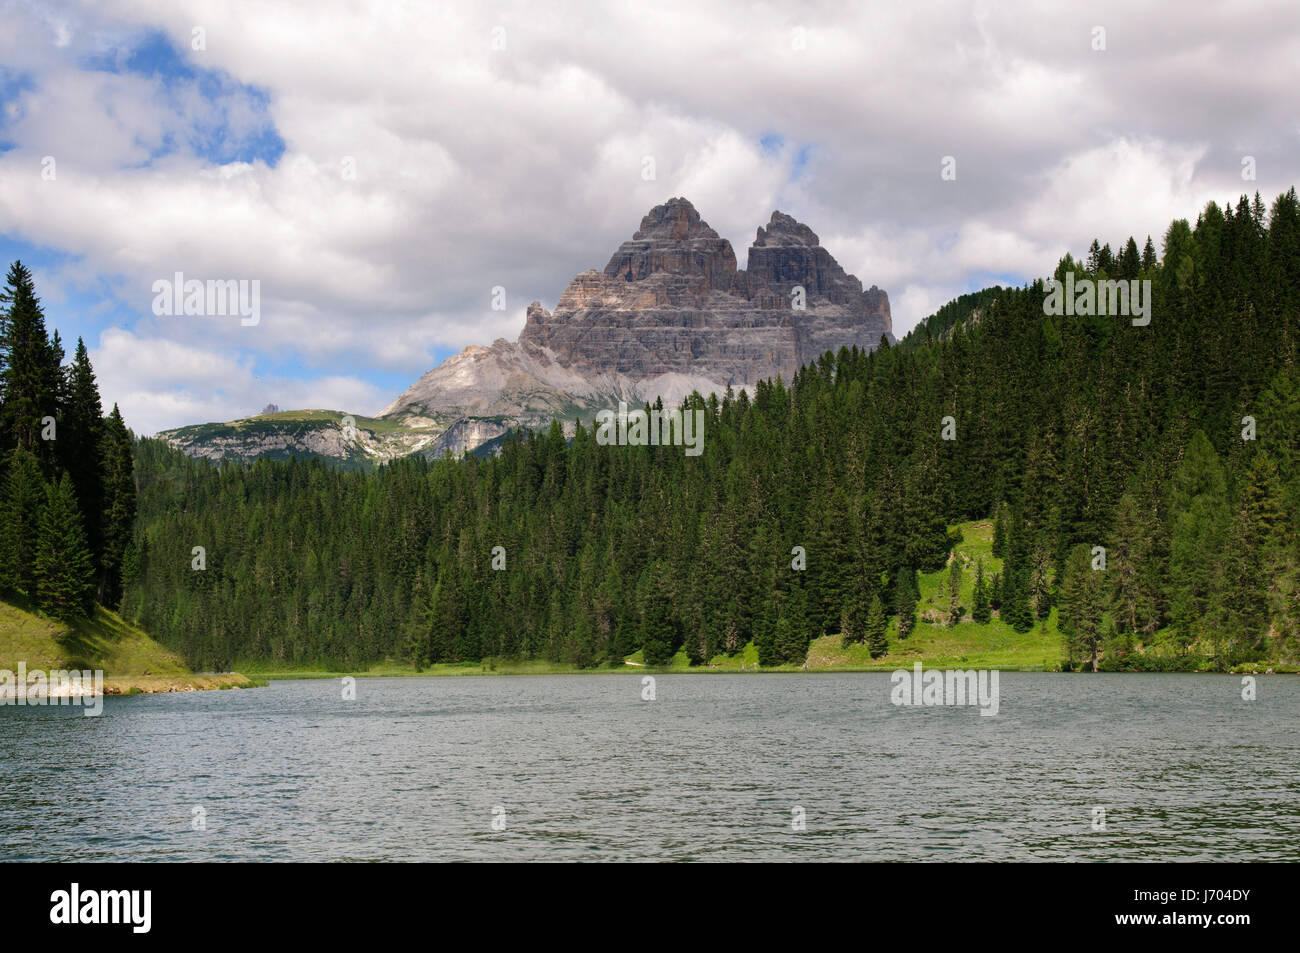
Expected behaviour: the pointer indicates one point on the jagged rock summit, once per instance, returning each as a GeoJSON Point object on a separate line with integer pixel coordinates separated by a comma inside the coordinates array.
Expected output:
{"type": "Point", "coordinates": [672, 301]}
{"type": "Point", "coordinates": [670, 313]}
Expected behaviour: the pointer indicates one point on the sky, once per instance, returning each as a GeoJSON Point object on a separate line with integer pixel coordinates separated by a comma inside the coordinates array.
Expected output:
{"type": "Point", "coordinates": [380, 168]}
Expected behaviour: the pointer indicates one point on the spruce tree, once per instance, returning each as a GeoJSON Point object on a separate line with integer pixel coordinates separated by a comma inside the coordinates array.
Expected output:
{"type": "Point", "coordinates": [1130, 261]}
{"type": "Point", "coordinates": [65, 582]}
{"type": "Point", "coordinates": [905, 598]}
{"type": "Point", "coordinates": [117, 515]}
{"type": "Point", "coordinates": [1137, 565]}
{"type": "Point", "coordinates": [419, 624]}
{"type": "Point", "coordinates": [928, 543]}
{"type": "Point", "coordinates": [793, 628]}
{"type": "Point", "coordinates": [1149, 259]}
{"type": "Point", "coordinates": [1253, 557]}
{"type": "Point", "coordinates": [31, 370]}
{"type": "Point", "coordinates": [999, 533]}
{"type": "Point", "coordinates": [1082, 606]}
{"type": "Point", "coordinates": [658, 627]}
{"type": "Point", "coordinates": [876, 627]}
{"type": "Point", "coordinates": [853, 618]}
{"type": "Point", "coordinates": [21, 504]}
{"type": "Point", "coordinates": [80, 446]}
{"type": "Point", "coordinates": [1199, 525]}
{"type": "Point", "coordinates": [952, 592]}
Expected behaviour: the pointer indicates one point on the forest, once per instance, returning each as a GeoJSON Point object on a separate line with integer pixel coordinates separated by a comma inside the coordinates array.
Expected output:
{"type": "Point", "coordinates": [67, 483]}
{"type": "Point", "coordinates": [1144, 481]}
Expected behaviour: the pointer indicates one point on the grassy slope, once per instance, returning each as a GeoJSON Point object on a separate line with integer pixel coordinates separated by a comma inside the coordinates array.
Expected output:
{"type": "Point", "coordinates": [127, 656]}
{"type": "Point", "coordinates": [967, 644]}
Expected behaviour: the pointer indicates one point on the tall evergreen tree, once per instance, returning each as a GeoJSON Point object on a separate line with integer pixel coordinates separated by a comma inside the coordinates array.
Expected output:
{"type": "Point", "coordinates": [1082, 607]}
{"type": "Point", "coordinates": [1149, 259]}
{"type": "Point", "coordinates": [905, 598]}
{"type": "Point", "coordinates": [21, 504]}
{"type": "Point", "coordinates": [1199, 513]}
{"type": "Point", "coordinates": [117, 514]}
{"type": "Point", "coordinates": [952, 593]}
{"type": "Point", "coordinates": [1253, 556]}
{"type": "Point", "coordinates": [80, 446]}
{"type": "Point", "coordinates": [65, 581]}
{"type": "Point", "coordinates": [31, 366]}
{"type": "Point", "coordinates": [658, 627]}
{"type": "Point", "coordinates": [877, 626]}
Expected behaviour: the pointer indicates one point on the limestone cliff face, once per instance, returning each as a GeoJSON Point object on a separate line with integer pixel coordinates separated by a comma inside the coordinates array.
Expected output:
{"type": "Point", "coordinates": [672, 301]}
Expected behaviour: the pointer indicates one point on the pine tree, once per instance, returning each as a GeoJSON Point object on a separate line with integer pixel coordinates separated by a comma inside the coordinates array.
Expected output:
{"type": "Point", "coordinates": [905, 598]}
{"type": "Point", "coordinates": [419, 624]}
{"type": "Point", "coordinates": [1199, 515]}
{"type": "Point", "coordinates": [1105, 260]}
{"type": "Point", "coordinates": [876, 627]}
{"type": "Point", "coordinates": [445, 618]}
{"type": "Point", "coordinates": [831, 568]}
{"type": "Point", "coordinates": [65, 582]}
{"type": "Point", "coordinates": [1016, 610]}
{"type": "Point", "coordinates": [658, 627]}
{"type": "Point", "coordinates": [21, 504]}
{"type": "Point", "coordinates": [1136, 566]}
{"type": "Point", "coordinates": [793, 628]}
{"type": "Point", "coordinates": [1082, 606]}
{"type": "Point", "coordinates": [928, 543]}
{"type": "Point", "coordinates": [853, 619]}
{"type": "Point", "coordinates": [952, 591]}
{"type": "Point", "coordinates": [1130, 261]}
{"type": "Point", "coordinates": [80, 446]}
{"type": "Point", "coordinates": [1253, 556]}
{"type": "Point", "coordinates": [31, 367]}
{"type": "Point", "coordinates": [1094, 256]}
{"type": "Point", "coordinates": [1149, 259]}
{"type": "Point", "coordinates": [117, 514]}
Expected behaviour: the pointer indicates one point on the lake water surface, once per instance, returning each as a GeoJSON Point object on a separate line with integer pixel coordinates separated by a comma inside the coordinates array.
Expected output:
{"type": "Point", "coordinates": [717, 767]}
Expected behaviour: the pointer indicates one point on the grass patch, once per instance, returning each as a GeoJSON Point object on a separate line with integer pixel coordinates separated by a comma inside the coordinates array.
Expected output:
{"type": "Point", "coordinates": [132, 662]}
{"type": "Point", "coordinates": [104, 641]}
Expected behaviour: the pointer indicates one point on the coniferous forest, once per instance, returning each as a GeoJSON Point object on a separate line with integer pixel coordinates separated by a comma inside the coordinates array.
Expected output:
{"type": "Point", "coordinates": [1174, 447]}
{"type": "Point", "coordinates": [67, 487]}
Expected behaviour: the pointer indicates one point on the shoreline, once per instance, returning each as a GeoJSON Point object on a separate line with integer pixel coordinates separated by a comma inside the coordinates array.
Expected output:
{"type": "Point", "coordinates": [170, 684]}
{"type": "Point", "coordinates": [141, 685]}
{"type": "Point", "coordinates": [480, 672]}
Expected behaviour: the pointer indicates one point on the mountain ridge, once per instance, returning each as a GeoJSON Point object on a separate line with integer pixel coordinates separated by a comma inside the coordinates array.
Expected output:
{"type": "Point", "coordinates": [670, 313]}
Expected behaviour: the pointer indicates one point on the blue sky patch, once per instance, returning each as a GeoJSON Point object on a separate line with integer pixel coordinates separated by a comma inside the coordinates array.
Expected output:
{"type": "Point", "coordinates": [236, 126]}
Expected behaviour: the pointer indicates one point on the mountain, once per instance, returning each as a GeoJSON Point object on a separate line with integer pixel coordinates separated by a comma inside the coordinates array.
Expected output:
{"type": "Point", "coordinates": [1110, 496]}
{"type": "Point", "coordinates": [671, 313]}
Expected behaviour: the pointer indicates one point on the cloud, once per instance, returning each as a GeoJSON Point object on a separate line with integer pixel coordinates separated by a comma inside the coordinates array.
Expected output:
{"type": "Point", "coordinates": [159, 383]}
{"type": "Point", "coordinates": [380, 168]}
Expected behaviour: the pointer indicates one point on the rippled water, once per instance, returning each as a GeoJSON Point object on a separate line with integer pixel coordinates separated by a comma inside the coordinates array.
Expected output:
{"type": "Point", "coordinates": [713, 769]}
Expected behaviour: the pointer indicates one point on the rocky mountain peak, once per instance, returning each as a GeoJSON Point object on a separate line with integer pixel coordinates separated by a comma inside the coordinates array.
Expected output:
{"type": "Point", "coordinates": [675, 220]}
{"type": "Point", "coordinates": [785, 230]}
{"type": "Point", "coordinates": [672, 304]}
{"type": "Point", "coordinates": [674, 239]}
